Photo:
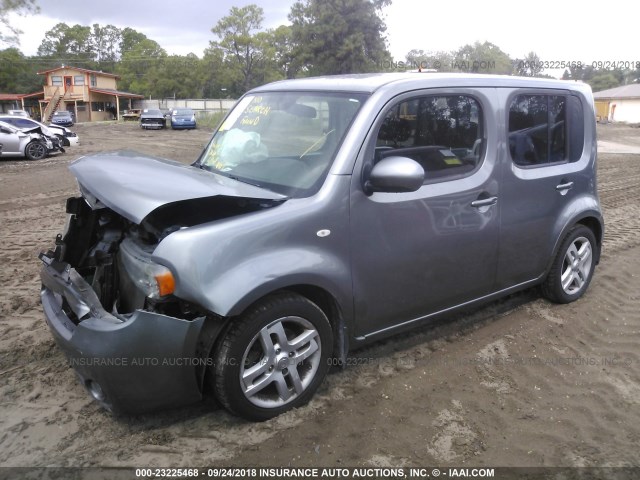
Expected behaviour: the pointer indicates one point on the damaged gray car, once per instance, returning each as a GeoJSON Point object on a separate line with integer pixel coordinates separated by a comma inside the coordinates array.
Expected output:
{"type": "Point", "coordinates": [324, 214]}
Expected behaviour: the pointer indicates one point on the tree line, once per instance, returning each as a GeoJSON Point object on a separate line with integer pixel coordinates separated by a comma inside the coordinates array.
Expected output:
{"type": "Point", "coordinates": [323, 37]}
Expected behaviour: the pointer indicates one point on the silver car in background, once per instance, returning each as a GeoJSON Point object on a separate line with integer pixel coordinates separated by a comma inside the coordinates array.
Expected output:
{"type": "Point", "coordinates": [30, 143]}
{"type": "Point", "coordinates": [324, 214]}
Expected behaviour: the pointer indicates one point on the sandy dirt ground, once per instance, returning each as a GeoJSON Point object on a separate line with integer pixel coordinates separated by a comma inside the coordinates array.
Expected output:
{"type": "Point", "coordinates": [521, 382]}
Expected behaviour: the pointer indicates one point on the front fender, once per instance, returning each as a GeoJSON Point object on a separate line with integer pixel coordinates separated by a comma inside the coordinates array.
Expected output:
{"type": "Point", "coordinates": [226, 265]}
{"type": "Point", "coordinates": [256, 277]}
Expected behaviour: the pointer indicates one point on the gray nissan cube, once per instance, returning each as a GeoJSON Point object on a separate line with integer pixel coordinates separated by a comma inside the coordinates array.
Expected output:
{"type": "Point", "coordinates": [324, 214]}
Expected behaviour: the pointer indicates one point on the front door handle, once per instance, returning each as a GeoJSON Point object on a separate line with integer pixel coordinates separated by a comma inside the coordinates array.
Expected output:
{"type": "Point", "coordinates": [485, 202]}
{"type": "Point", "coordinates": [564, 186]}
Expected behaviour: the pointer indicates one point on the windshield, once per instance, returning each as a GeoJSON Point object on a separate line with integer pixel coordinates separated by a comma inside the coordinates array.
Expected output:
{"type": "Point", "coordinates": [183, 112]}
{"type": "Point", "coordinates": [283, 141]}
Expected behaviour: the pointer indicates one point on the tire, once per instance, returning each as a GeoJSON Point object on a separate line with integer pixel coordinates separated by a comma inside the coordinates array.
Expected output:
{"type": "Point", "coordinates": [572, 269]}
{"type": "Point", "coordinates": [35, 150]}
{"type": "Point", "coordinates": [259, 346]}
{"type": "Point", "coordinates": [64, 141]}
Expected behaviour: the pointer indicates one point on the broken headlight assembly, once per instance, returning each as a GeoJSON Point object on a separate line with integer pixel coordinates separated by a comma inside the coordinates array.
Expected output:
{"type": "Point", "coordinates": [154, 280]}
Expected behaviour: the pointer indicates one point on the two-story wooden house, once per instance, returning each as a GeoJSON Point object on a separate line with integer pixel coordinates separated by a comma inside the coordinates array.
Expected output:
{"type": "Point", "coordinates": [89, 94]}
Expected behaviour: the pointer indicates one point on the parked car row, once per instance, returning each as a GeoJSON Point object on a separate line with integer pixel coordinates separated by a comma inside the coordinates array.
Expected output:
{"type": "Point", "coordinates": [180, 118]}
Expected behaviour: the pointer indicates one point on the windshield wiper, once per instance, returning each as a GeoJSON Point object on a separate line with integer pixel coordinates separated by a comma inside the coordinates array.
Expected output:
{"type": "Point", "coordinates": [240, 179]}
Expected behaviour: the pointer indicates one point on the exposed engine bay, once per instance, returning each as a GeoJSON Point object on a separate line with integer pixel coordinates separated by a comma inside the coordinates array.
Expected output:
{"type": "Point", "coordinates": [114, 254]}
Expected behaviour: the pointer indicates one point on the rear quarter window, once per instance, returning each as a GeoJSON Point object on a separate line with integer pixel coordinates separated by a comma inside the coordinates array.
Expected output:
{"type": "Point", "coordinates": [545, 129]}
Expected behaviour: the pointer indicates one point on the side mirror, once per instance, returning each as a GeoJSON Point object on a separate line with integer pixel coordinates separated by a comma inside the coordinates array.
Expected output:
{"type": "Point", "coordinates": [395, 175]}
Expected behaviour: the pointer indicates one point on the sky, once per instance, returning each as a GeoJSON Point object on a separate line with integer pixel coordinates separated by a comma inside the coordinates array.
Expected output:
{"type": "Point", "coordinates": [557, 31]}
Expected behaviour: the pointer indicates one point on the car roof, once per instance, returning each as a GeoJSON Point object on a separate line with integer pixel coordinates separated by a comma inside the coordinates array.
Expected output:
{"type": "Point", "coordinates": [370, 82]}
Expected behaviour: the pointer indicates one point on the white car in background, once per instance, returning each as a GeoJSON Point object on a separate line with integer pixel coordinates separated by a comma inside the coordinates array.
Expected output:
{"type": "Point", "coordinates": [66, 136]}
{"type": "Point", "coordinates": [19, 113]}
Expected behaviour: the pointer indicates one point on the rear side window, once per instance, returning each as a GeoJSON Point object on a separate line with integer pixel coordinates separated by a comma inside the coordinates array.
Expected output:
{"type": "Point", "coordinates": [442, 133]}
{"type": "Point", "coordinates": [545, 129]}
{"type": "Point", "coordinates": [20, 122]}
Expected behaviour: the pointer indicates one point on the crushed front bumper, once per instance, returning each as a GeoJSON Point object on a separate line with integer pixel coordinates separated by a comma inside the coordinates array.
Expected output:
{"type": "Point", "coordinates": [137, 364]}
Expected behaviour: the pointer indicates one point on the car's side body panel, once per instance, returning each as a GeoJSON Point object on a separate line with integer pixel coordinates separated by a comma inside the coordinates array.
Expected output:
{"type": "Point", "coordinates": [385, 260]}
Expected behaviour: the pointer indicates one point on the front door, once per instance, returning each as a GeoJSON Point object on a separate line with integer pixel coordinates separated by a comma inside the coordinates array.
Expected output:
{"type": "Point", "coordinates": [10, 141]}
{"type": "Point", "coordinates": [68, 83]}
{"type": "Point", "coordinates": [418, 253]}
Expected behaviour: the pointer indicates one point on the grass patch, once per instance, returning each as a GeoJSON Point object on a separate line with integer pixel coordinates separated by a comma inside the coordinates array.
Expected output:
{"type": "Point", "coordinates": [210, 120]}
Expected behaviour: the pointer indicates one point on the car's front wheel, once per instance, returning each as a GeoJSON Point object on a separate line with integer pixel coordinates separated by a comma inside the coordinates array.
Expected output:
{"type": "Point", "coordinates": [572, 269]}
{"type": "Point", "coordinates": [273, 358]}
{"type": "Point", "coordinates": [35, 150]}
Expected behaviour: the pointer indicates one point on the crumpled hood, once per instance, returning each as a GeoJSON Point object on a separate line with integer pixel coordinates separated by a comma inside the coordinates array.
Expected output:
{"type": "Point", "coordinates": [32, 130]}
{"type": "Point", "coordinates": [41, 130]}
{"type": "Point", "coordinates": [134, 185]}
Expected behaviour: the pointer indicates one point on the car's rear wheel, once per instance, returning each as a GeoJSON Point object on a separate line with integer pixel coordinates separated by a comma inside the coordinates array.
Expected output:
{"type": "Point", "coordinates": [572, 269]}
{"type": "Point", "coordinates": [35, 150]}
{"type": "Point", "coordinates": [273, 358]}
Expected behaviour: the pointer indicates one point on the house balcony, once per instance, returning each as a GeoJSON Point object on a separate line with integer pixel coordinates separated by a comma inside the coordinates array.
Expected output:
{"type": "Point", "coordinates": [73, 92]}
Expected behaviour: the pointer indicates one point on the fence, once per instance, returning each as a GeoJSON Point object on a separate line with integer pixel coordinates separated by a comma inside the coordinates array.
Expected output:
{"type": "Point", "coordinates": [199, 106]}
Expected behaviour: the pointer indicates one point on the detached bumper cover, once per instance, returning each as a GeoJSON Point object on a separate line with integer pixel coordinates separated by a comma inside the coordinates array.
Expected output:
{"type": "Point", "coordinates": [146, 362]}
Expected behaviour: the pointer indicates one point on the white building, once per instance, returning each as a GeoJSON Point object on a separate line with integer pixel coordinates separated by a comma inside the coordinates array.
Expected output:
{"type": "Point", "coordinates": [620, 104]}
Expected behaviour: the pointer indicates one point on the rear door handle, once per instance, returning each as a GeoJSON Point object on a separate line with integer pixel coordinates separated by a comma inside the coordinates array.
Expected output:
{"type": "Point", "coordinates": [485, 202]}
{"type": "Point", "coordinates": [564, 186]}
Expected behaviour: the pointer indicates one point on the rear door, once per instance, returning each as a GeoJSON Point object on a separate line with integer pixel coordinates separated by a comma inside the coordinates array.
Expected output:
{"type": "Point", "coordinates": [414, 254]}
{"type": "Point", "coordinates": [541, 175]}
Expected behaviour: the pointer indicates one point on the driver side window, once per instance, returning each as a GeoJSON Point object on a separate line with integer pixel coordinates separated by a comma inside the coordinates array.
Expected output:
{"type": "Point", "coordinates": [442, 133]}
